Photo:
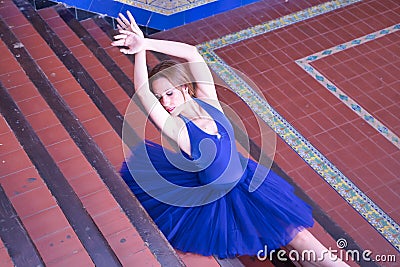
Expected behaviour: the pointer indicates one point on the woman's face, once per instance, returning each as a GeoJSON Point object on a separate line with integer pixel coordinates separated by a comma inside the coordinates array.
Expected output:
{"type": "Point", "coordinates": [169, 96]}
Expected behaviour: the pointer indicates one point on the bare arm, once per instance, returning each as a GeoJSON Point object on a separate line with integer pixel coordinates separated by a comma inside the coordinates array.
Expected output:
{"type": "Point", "coordinates": [199, 69]}
{"type": "Point", "coordinates": [169, 125]}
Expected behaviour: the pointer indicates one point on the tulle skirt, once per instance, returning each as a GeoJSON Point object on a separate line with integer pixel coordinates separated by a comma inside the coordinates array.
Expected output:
{"type": "Point", "coordinates": [238, 223]}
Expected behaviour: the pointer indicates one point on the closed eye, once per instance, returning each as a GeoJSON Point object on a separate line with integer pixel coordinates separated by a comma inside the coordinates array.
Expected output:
{"type": "Point", "coordinates": [168, 93]}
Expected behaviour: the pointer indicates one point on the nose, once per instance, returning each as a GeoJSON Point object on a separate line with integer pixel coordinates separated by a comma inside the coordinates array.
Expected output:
{"type": "Point", "coordinates": [164, 100]}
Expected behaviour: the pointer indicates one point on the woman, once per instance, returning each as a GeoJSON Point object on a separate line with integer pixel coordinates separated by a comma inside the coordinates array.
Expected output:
{"type": "Point", "coordinates": [221, 218]}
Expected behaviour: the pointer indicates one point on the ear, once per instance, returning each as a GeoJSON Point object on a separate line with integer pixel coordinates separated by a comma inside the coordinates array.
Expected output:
{"type": "Point", "coordinates": [185, 91]}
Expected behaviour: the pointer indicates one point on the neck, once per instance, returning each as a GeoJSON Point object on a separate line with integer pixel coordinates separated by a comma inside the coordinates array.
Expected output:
{"type": "Point", "coordinates": [191, 109]}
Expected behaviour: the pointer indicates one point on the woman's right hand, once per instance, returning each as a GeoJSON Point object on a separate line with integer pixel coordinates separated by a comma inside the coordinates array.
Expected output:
{"type": "Point", "coordinates": [133, 42]}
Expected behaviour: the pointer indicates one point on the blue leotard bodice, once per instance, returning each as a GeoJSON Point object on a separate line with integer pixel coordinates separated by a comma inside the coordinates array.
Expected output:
{"type": "Point", "coordinates": [216, 156]}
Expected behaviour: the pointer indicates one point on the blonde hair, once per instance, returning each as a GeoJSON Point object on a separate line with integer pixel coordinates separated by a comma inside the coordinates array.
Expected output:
{"type": "Point", "coordinates": [176, 73]}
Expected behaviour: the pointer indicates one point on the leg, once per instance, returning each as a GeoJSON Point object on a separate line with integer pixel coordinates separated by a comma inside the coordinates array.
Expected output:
{"type": "Point", "coordinates": [306, 241]}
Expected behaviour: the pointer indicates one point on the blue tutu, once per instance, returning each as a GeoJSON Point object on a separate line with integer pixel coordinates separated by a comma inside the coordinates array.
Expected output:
{"type": "Point", "coordinates": [203, 204]}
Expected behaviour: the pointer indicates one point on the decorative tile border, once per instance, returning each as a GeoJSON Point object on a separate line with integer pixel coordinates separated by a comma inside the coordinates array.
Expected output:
{"type": "Point", "coordinates": [166, 7]}
{"type": "Point", "coordinates": [371, 212]}
{"type": "Point", "coordinates": [358, 109]}
{"type": "Point", "coordinates": [274, 24]}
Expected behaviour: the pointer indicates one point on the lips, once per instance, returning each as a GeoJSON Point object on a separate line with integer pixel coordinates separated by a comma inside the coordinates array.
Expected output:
{"type": "Point", "coordinates": [169, 109]}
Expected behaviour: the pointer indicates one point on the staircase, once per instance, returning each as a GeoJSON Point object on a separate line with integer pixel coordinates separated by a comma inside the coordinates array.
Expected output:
{"type": "Point", "coordinates": [63, 95]}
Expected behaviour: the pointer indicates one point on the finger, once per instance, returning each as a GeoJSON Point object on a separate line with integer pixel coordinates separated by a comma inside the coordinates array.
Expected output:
{"type": "Point", "coordinates": [120, 23]}
{"type": "Point", "coordinates": [122, 17]}
{"type": "Point", "coordinates": [119, 43]}
{"type": "Point", "coordinates": [120, 36]}
{"type": "Point", "coordinates": [136, 30]}
{"type": "Point", "coordinates": [125, 51]}
{"type": "Point", "coordinates": [125, 32]}
{"type": "Point", "coordinates": [134, 25]}
{"type": "Point", "coordinates": [121, 28]}
{"type": "Point", "coordinates": [131, 18]}
{"type": "Point", "coordinates": [125, 20]}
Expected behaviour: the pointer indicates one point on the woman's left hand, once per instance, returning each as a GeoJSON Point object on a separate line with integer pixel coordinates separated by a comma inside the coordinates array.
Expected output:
{"type": "Point", "coordinates": [130, 35]}
{"type": "Point", "coordinates": [128, 25]}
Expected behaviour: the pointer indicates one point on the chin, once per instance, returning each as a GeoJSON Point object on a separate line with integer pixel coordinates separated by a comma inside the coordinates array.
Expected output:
{"type": "Point", "coordinates": [174, 113]}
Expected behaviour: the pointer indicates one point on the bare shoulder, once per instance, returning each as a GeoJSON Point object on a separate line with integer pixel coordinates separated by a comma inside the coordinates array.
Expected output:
{"type": "Point", "coordinates": [213, 101]}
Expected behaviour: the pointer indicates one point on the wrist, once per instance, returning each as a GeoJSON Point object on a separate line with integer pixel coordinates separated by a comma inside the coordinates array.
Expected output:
{"type": "Point", "coordinates": [142, 44]}
{"type": "Point", "coordinates": [147, 44]}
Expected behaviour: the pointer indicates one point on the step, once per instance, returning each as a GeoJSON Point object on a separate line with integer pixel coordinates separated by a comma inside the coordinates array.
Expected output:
{"type": "Point", "coordinates": [106, 152]}
{"type": "Point", "coordinates": [50, 233]}
{"type": "Point", "coordinates": [31, 105]}
{"type": "Point", "coordinates": [99, 214]}
{"type": "Point", "coordinates": [100, 67]}
{"type": "Point", "coordinates": [103, 33]}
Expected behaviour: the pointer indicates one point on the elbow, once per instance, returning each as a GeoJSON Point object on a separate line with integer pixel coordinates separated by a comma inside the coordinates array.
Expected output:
{"type": "Point", "coordinates": [194, 50]}
{"type": "Point", "coordinates": [195, 55]}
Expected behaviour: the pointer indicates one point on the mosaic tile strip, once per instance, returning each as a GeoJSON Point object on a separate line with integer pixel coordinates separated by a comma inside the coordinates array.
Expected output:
{"type": "Point", "coordinates": [336, 91]}
{"type": "Point", "coordinates": [166, 7]}
{"type": "Point", "coordinates": [274, 24]}
{"type": "Point", "coordinates": [375, 216]}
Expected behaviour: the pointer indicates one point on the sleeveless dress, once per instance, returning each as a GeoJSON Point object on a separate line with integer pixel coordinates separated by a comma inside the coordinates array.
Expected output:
{"type": "Point", "coordinates": [202, 204]}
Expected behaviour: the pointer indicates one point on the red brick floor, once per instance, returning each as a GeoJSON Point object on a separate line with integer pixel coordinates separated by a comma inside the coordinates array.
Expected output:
{"type": "Point", "coordinates": [368, 73]}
